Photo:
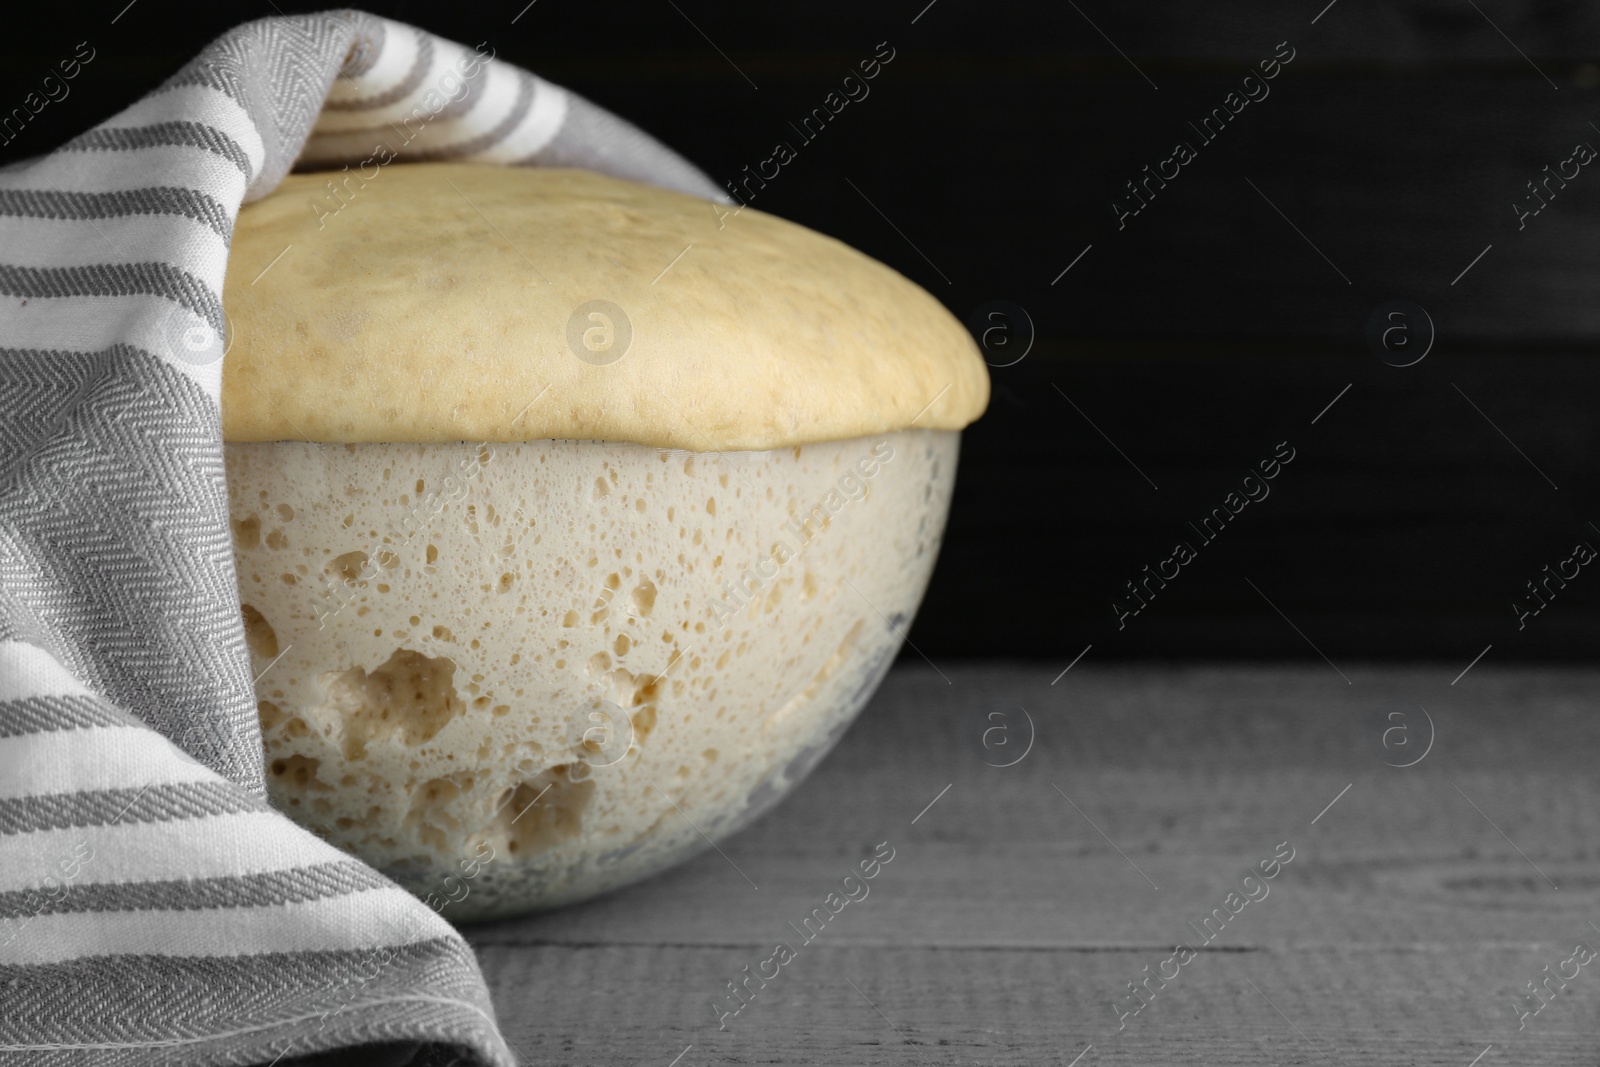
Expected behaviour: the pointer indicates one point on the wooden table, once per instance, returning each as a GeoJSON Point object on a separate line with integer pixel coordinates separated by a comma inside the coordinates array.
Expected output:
{"type": "Point", "coordinates": [1021, 900]}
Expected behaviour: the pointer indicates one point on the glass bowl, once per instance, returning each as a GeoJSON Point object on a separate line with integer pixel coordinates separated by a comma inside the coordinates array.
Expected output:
{"type": "Point", "coordinates": [514, 675]}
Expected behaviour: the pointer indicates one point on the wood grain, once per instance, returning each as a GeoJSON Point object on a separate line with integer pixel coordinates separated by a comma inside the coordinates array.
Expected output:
{"type": "Point", "coordinates": [1008, 924]}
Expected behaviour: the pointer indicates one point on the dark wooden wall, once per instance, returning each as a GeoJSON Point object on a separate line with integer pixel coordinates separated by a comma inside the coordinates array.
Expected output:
{"type": "Point", "coordinates": [1217, 322]}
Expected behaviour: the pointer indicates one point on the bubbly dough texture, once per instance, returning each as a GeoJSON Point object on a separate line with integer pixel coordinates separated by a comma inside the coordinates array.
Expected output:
{"type": "Point", "coordinates": [512, 675]}
{"type": "Point", "coordinates": [453, 302]}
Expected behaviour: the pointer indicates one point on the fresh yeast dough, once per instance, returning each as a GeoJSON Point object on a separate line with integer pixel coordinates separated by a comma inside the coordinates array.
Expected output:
{"type": "Point", "coordinates": [428, 303]}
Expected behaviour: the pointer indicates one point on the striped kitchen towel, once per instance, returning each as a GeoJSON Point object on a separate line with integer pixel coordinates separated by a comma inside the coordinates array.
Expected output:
{"type": "Point", "coordinates": [153, 908]}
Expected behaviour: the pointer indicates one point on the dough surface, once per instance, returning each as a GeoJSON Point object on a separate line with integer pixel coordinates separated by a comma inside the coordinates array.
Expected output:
{"type": "Point", "coordinates": [447, 302]}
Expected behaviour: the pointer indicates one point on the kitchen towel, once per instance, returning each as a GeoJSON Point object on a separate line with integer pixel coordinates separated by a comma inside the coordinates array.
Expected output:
{"type": "Point", "coordinates": [153, 908]}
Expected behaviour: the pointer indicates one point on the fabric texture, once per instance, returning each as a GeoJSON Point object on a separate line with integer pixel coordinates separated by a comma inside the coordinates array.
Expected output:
{"type": "Point", "coordinates": [153, 908]}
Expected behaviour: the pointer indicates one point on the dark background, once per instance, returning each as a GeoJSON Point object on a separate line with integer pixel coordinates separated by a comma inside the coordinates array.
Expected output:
{"type": "Point", "coordinates": [1220, 321]}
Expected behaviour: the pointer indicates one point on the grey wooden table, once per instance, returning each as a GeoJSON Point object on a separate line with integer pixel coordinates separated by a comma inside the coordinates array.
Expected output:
{"type": "Point", "coordinates": [1022, 900]}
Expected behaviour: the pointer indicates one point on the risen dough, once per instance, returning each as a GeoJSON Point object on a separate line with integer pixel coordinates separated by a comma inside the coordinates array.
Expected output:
{"type": "Point", "coordinates": [438, 302]}
{"type": "Point", "coordinates": [489, 615]}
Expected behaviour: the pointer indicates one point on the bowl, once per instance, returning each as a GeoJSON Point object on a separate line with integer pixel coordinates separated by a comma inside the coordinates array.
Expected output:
{"type": "Point", "coordinates": [512, 675]}
{"type": "Point", "coordinates": [574, 518]}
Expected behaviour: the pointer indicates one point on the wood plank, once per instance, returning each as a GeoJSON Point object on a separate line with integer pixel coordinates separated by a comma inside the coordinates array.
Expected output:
{"type": "Point", "coordinates": [646, 1005]}
{"type": "Point", "coordinates": [1007, 923]}
{"type": "Point", "coordinates": [1404, 528]}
